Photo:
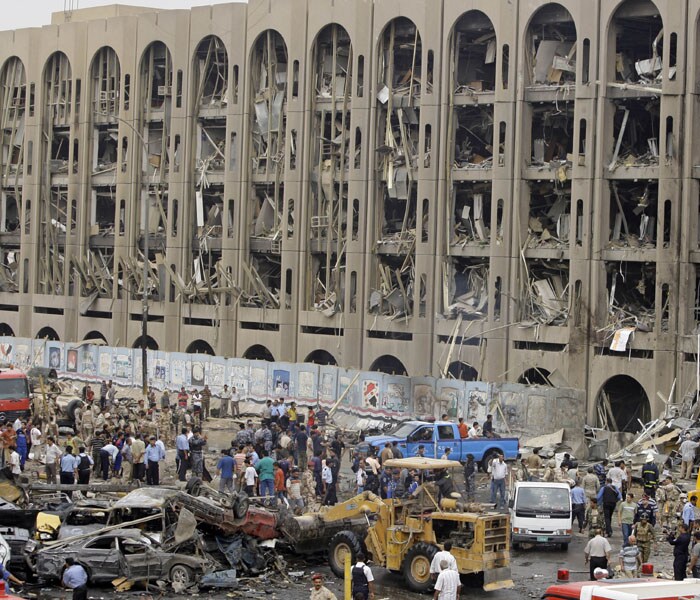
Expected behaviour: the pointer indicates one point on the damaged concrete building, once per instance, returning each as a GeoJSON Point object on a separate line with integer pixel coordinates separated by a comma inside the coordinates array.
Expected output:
{"type": "Point", "coordinates": [500, 190]}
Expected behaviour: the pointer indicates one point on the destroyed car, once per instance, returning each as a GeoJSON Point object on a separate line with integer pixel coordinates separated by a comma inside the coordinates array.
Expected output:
{"type": "Point", "coordinates": [119, 553]}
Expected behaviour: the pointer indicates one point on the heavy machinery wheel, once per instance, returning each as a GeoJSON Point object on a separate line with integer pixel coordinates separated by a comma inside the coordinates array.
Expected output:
{"type": "Point", "coordinates": [488, 457]}
{"type": "Point", "coordinates": [194, 485]}
{"type": "Point", "coordinates": [416, 567]}
{"type": "Point", "coordinates": [181, 574]}
{"type": "Point", "coordinates": [240, 505]}
{"type": "Point", "coordinates": [71, 408]}
{"type": "Point", "coordinates": [342, 543]}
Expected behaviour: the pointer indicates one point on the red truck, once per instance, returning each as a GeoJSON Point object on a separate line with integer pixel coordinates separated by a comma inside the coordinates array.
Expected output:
{"type": "Point", "coordinates": [624, 589]}
{"type": "Point", "coordinates": [15, 396]}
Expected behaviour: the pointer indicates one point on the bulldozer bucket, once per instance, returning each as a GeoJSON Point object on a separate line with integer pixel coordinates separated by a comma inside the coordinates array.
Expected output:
{"type": "Point", "coordinates": [497, 579]}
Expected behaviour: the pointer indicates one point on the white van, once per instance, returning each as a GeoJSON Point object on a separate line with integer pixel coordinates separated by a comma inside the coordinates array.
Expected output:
{"type": "Point", "coordinates": [540, 513]}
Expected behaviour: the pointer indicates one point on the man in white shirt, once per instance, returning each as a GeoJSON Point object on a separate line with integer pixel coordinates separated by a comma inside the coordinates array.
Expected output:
{"type": "Point", "coordinates": [53, 456]}
{"type": "Point", "coordinates": [448, 585]}
{"type": "Point", "coordinates": [235, 402]}
{"type": "Point", "coordinates": [443, 556]}
{"type": "Point", "coordinates": [474, 430]}
{"type": "Point", "coordinates": [37, 446]}
{"type": "Point", "coordinates": [250, 476]}
{"type": "Point", "coordinates": [225, 396]}
{"type": "Point", "coordinates": [597, 552]}
{"type": "Point", "coordinates": [327, 479]}
{"type": "Point", "coordinates": [362, 579]}
{"type": "Point", "coordinates": [617, 475]}
{"type": "Point", "coordinates": [687, 451]}
{"type": "Point", "coordinates": [15, 461]}
{"type": "Point", "coordinates": [499, 472]}
{"type": "Point", "coordinates": [108, 454]}
{"type": "Point", "coordinates": [373, 463]}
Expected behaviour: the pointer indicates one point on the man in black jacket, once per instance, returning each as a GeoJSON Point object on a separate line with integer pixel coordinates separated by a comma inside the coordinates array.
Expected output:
{"type": "Point", "coordinates": [680, 552]}
{"type": "Point", "coordinates": [608, 497]}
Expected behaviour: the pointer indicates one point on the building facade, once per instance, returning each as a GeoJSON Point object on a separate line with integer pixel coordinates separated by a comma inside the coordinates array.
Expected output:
{"type": "Point", "coordinates": [500, 190]}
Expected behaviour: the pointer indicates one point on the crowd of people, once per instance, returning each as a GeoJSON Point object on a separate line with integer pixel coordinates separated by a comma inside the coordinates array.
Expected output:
{"type": "Point", "coordinates": [604, 494]}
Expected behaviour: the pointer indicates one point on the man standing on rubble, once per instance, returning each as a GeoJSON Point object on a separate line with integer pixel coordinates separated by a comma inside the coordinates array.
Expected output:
{"type": "Point", "coordinates": [301, 440]}
{"type": "Point", "coordinates": [53, 456]}
{"type": "Point", "coordinates": [235, 402]}
{"type": "Point", "coordinates": [69, 467]}
{"type": "Point", "coordinates": [154, 454]}
{"type": "Point", "coordinates": [197, 443]}
{"type": "Point", "coordinates": [687, 451]}
{"type": "Point", "coordinates": [84, 466]}
{"type": "Point", "coordinates": [224, 470]}
{"type": "Point", "coordinates": [206, 402]}
{"type": "Point", "coordinates": [138, 454]}
{"type": "Point", "coordinates": [225, 397]}
{"type": "Point", "coordinates": [108, 456]}
{"type": "Point", "coordinates": [182, 445]}
{"type": "Point", "coordinates": [165, 424]}
{"type": "Point", "coordinates": [266, 476]}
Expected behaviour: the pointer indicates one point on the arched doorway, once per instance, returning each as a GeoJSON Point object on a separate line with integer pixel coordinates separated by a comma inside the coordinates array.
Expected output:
{"type": "Point", "coordinates": [621, 404]}
{"type": "Point", "coordinates": [151, 344]}
{"type": "Point", "coordinates": [200, 347]}
{"type": "Point", "coordinates": [388, 364]}
{"type": "Point", "coordinates": [321, 357]}
{"type": "Point", "coordinates": [535, 376]}
{"type": "Point", "coordinates": [47, 333]}
{"type": "Point", "coordinates": [258, 352]}
{"type": "Point", "coordinates": [94, 335]}
{"type": "Point", "coordinates": [6, 330]}
{"type": "Point", "coordinates": [462, 371]}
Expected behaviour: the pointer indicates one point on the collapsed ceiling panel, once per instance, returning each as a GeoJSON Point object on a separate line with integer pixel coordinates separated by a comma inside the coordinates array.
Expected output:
{"type": "Point", "coordinates": [550, 49]}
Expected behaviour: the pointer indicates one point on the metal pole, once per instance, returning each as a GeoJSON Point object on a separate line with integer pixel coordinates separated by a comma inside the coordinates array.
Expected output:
{"type": "Point", "coordinates": [144, 315]}
{"type": "Point", "coordinates": [144, 298]}
{"type": "Point", "coordinates": [697, 373]}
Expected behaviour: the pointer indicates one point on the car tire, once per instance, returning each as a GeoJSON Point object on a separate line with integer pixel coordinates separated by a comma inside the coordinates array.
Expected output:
{"type": "Point", "coordinates": [564, 547]}
{"type": "Point", "coordinates": [240, 505]}
{"type": "Point", "coordinates": [194, 485]}
{"type": "Point", "coordinates": [181, 574]}
{"type": "Point", "coordinates": [342, 543]}
{"type": "Point", "coordinates": [416, 567]}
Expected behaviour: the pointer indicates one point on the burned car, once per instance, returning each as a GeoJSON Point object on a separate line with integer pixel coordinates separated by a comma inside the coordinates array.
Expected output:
{"type": "Point", "coordinates": [120, 553]}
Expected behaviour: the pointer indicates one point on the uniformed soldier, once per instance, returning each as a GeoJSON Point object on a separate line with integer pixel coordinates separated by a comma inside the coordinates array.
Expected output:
{"type": "Point", "coordinates": [594, 519]}
{"type": "Point", "coordinates": [644, 532]}
{"type": "Point", "coordinates": [667, 497]}
{"type": "Point", "coordinates": [165, 426]}
{"type": "Point", "coordinates": [87, 423]}
{"type": "Point", "coordinates": [308, 490]}
{"type": "Point", "coordinates": [549, 472]}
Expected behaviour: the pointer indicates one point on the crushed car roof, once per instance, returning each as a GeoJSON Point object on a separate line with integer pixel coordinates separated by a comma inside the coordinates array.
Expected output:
{"type": "Point", "coordinates": [146, 498]}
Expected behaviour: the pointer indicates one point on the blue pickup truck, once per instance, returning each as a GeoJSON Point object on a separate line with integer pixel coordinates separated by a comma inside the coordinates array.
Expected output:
{"type": "Point", "coordinates": [437, 437]}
